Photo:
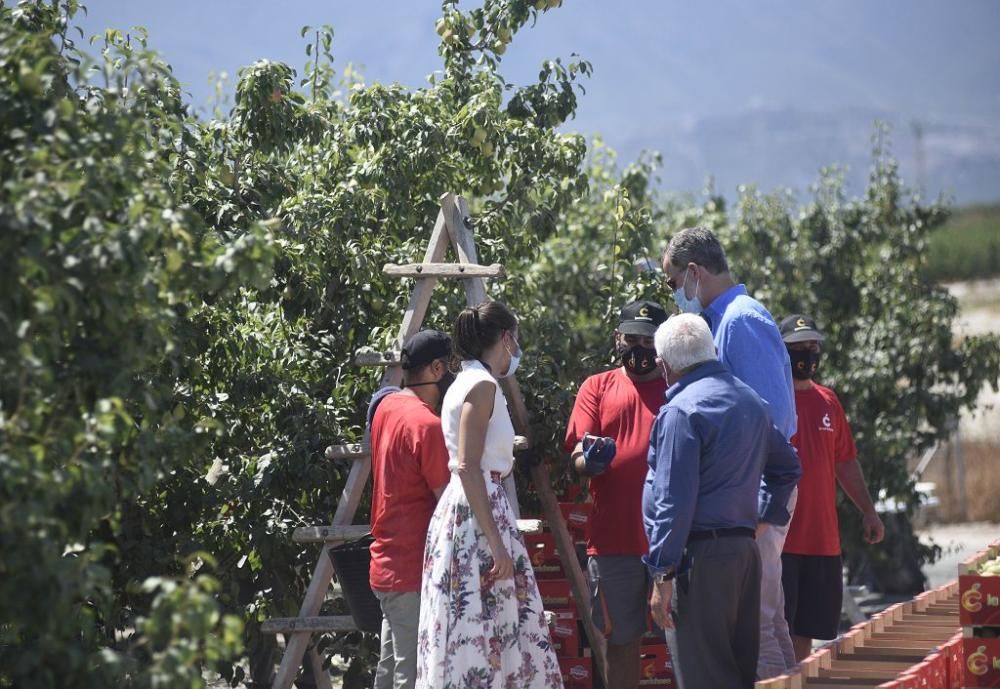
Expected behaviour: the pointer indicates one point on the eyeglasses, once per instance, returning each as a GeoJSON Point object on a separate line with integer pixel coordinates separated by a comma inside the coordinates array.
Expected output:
{"type": "Point", "coordinates": [672, 284]}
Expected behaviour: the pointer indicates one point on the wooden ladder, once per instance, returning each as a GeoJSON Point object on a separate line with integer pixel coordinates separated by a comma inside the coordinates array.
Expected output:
{"type": "Point", "coordinates": [451, 227]}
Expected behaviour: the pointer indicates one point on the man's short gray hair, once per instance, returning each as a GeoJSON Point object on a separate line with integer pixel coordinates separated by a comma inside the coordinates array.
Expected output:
{"type": "Point", "coordinates": [683, 341]}
{"type": "Point", "coordinates": [700, 246]}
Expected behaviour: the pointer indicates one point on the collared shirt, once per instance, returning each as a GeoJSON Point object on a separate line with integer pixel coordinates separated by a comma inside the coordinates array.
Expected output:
{"type": "Point", "coordinates": [751, 347]}
{"type": "Point", "coordinates": [712, 443]}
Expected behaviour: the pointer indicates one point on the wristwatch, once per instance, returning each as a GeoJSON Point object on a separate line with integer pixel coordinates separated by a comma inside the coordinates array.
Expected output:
{"type": "Point", "coordinates": [665, 576]}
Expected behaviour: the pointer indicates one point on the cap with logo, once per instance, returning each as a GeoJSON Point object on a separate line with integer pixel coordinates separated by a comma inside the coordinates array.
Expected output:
{"type": "Point", "coordinates": [800, 328]}
{"type": "Point", "coordinates": [641, 318]}
{"type": "Point", "coordinates": [424, 347]}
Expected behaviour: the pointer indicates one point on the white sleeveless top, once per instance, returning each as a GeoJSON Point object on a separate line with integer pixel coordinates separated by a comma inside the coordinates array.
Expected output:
{"type": "Point", "coordinates": [498, 452]}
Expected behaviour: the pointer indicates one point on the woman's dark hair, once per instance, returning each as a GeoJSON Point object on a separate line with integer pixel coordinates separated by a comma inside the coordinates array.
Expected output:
{"type": "Point", "coordinates": [479, 327]}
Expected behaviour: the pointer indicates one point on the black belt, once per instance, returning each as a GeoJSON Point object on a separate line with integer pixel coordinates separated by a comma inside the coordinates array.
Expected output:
{"type": "Point", "coordinates": [707, 534]}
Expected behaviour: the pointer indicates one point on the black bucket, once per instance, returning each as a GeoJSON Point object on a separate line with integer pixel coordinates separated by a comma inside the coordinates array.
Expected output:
{"type": "Point", "coordinates": [351, 561]}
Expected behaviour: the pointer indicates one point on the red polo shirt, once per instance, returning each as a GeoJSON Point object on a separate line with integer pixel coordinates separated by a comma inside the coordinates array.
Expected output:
{"type": "Point", "coordinates": [409, 461]}
{"type": "Point", "coordinates": [612, 404]}
{"type": "Point", "coordinates": [823, 440]}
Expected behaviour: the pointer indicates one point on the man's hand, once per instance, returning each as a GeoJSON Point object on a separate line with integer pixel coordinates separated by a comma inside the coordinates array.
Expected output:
{"type": "Point", "coordinates": [872, 527]}
{"type": "Point", "coordinates": [597, 453]}
{"type": "Point", "coordinates": [761, 528]}
{"type": "Point", "coordinates": [659, 604]}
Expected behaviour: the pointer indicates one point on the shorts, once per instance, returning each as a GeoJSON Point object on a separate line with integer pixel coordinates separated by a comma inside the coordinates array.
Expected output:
{"type": "Point", "coordinates": [814, 591]}
{"type": "Point", "coordinates": [619, 597]}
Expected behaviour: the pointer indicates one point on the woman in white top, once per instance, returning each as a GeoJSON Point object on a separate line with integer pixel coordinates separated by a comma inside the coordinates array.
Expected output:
{"type": "Point", "coordinates": [481, 620]}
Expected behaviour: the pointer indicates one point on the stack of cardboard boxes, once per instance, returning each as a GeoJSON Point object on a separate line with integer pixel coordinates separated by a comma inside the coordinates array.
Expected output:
{"type": "Point", "coordinates": [567, 631]}
{"type": "Point", "coordinates": [979, 613]}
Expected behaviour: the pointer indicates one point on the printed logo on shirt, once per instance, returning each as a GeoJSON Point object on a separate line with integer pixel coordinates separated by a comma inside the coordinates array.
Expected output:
{"type": "Point", "coordinates": [827, 423]}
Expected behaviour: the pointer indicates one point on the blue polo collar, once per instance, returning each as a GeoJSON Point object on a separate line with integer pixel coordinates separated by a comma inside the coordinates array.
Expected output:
{"type": "Point", "coordinates": [705, 370]}
{"type": "Point", "coordinates": [713, 312]}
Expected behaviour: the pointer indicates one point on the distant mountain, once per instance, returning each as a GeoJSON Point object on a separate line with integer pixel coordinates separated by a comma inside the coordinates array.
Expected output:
{"type": "Point", "coordinates": [765, 91]}
{"type": "Point", "coordinates": [787, 148]}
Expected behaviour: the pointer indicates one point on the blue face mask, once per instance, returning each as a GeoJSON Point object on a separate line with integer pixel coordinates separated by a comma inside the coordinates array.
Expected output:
{"type": "Point", "coordinates": [683, 303]}
{"type": "Point", "coordinates": [515, 361]}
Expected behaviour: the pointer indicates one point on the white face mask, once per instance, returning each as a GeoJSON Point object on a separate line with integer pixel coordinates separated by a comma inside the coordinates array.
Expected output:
{"type": "Point", "coordinates": [515, 361]}
{"type": "Point", "coordinates": [683, 303]}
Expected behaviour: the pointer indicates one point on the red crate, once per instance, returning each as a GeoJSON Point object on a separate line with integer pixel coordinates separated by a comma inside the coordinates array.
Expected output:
{"type": "Point", "coordinates": [577, 517]}
{"type": "Point", "coordinates": [655, 668]}
{"type": "Point", "coordinates": [565, 633]}
{"type": "Point", "coordinates": [981, 664]}
{"type": "Point", "coordinates": [544, 556]}
{"type": "Point", "coordinates": [979, 600]}
{"type": "Point", "coordinates": [953, 651]}
{"type": "Point", "coordinates": [915, 678]}
{"type": "Point", "coordinates": [577, 673]}
{"type": "Point", "coordinates": [937, 670]}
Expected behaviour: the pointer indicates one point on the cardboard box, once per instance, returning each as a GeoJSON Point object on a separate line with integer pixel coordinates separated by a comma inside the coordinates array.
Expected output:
{"type": "Point", "coordinates": [577, 517]}
{"type": "Point", "coordinates": [981, 665]}
{"type": "Point", "coordinates": [577, 673]}
{"type": "Point", "coordinates": [565, 633]}
{"type": "Point", "coordinates": [544, 556]}
{"type": "Point", "coordinates": [555, 593]}
{"type": "Point", "coordinates": [655, 668]}
{"type": "Point", "coordinates": [979, 598]}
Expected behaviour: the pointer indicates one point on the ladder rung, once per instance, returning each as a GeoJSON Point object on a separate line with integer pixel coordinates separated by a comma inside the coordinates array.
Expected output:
{"type": "Point", "coordinates": [529, 526]}
{"type": "Point", "coordinates": [330, 534]}
{"type": "Point", "coordinates": [389, 358]}
{"type": "Point", "coordinates": [348, 451]}
{"type": "Point", "coordinates": [443, 270]}
{"type": "Point", "coordinates": [331, 623]}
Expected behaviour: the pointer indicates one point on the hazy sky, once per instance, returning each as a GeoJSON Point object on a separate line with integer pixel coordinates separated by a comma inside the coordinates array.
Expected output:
{"type": "Point", "coordinates": [657, 63]}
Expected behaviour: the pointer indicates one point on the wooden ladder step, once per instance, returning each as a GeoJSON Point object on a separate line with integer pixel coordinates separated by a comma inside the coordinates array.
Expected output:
{"type": "Point", "coordinates": [443, 270]}
{"type": "Point", "coordinates": [340, 534]}
{"type": "Point", "coordinates": [329, 623]}
{"type": "Point", "coordinates": [354, 451]}
{"type": "Point", "coordinates": [529, 526]}
{"type": "Point", "coordinates": [330, 534]}
{"type": "Point", "coordinates": [348, 451]}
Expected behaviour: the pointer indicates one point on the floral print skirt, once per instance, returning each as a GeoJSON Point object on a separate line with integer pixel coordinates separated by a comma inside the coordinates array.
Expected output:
{"type": "Point", "coordinates": [474, 634]}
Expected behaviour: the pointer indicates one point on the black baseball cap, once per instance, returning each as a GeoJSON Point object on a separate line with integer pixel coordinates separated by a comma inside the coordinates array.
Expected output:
{"type": "Point", "coordinates": [799, 328]}
{"type": "Point", "coordinates": [641, 318]}
{"type": "Point", "coordinates": [424, 347]}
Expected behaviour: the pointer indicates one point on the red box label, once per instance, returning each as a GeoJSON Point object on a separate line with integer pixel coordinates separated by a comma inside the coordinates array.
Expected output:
{"type": "Point", "coordinates": [577, 517]}
{"type": "Point", "coordinates": [566, 633]}
{"type": "Point", "coordinates": [555, 593]}
{"type": "Point", "coordinates": [544, 556]}
{"type": "Point", "coordinates": [576, 673]}
{"type": "Point", "coordinates": [979, 600]}
{"type": "Point", "coordinates": [655, 668]}
{"type": "Point", "coordinates": [982, 662]}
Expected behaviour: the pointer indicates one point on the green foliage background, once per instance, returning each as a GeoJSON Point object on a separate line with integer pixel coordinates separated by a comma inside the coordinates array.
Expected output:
{"type": "Point", "coordinates": [180, 301]}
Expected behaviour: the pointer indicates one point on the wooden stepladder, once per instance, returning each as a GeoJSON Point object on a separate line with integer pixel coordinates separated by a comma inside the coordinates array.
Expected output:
{"type": "Point", "coordinates": [451, 227]}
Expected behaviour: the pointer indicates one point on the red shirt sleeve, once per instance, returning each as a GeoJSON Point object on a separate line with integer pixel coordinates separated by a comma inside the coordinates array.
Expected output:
{"type": "Point", "coordinates": [845, 451]}
{"type": "Point", "coordinates": [586, 416]}
{"type": "Point", "coordinates": [433, 454]}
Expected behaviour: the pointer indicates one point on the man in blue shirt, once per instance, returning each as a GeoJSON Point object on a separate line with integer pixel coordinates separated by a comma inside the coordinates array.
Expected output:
{"type": "Point", "coordinates": [717, 466]}
{"type": "Point", "coordinates": [751, 348]}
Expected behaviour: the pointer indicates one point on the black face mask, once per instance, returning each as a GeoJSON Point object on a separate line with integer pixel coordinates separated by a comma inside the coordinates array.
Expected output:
{"type": "Point", "coordinates": [443, 383]}
{"type": "Point", "coordinates": [638, 359]}
{"type": "Point", "coordinates": [805, 363]}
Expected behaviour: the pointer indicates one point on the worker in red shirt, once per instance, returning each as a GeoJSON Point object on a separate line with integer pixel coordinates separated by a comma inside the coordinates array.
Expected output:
{"type": "Point", "coordinates": [812, 572]}
{"type": "Point", "coordinates": [409, 473]}
{"type": "Point", "coordinates": [616, 411]}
